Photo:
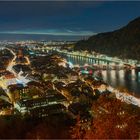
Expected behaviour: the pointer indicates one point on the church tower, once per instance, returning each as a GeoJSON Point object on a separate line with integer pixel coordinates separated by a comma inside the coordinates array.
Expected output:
{"type": "Point", "coordinates": [20, 53]}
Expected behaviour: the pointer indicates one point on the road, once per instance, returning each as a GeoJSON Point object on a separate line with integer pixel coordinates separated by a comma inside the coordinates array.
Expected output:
{"type": "Point", "coordinates": [12, 63]}
{"type": "Point", "coordinates": [18, 77]}
{"type": "Point", "coordinates": [125, 97]}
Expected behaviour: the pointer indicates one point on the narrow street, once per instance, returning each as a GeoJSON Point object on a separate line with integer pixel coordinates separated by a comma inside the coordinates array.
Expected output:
{"type": "Point", "coordinates": [12, 63]}
{"type": "Point", "coordinates": [18, 77]}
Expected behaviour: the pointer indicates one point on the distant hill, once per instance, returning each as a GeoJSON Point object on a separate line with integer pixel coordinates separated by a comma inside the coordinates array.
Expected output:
{"type": "Point", "coordinates": [124, 42]}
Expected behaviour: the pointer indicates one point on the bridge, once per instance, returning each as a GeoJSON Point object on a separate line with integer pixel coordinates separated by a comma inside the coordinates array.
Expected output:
{"type": "Point", "coordinates": [89, 58]}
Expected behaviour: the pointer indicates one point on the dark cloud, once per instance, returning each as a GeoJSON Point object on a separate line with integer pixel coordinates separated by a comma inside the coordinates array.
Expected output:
{"type": "Point", "coordinates": [86, 16]}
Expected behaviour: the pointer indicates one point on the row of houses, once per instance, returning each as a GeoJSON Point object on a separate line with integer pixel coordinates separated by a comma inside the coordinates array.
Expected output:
{"type": "Point", "coordinates": [42, 106]}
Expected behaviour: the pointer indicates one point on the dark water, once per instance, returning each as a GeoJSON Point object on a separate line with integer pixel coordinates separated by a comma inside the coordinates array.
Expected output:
{"type": "Point", "coordinates": [123, 78]}
{"type": "Point", "coordinates": [129, 79]}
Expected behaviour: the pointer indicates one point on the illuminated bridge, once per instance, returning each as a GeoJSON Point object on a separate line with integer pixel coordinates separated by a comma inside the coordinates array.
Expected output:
{"type": "Point", "coordinates": [89, 58]}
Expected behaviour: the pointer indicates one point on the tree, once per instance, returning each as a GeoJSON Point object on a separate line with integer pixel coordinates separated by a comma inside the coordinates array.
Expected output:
{"type": "Point", "coordinates": [76, 131]}
{"type": "Point", "coordinates": [112, 120]}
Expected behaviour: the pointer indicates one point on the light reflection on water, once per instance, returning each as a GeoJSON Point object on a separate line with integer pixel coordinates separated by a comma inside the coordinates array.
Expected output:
{"type": "Point", "coordinates": [123, 78]}
{"type": "Point", "coordinates": [129, 79]}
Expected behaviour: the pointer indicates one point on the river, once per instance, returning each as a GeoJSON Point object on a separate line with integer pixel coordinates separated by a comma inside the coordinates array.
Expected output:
{"type": "Point", "coordinates": [123, 79]}
{"type": "Point", "coordinates": [128, 79]}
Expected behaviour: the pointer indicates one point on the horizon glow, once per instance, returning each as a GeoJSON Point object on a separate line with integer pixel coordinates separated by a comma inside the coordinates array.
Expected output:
{"type": "Point", "coordinates": [54, 32]}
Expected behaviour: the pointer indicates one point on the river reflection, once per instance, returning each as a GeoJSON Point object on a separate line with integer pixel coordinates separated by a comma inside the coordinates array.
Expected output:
{"type": "Point", "coordinates": [123, 78]}
{"type": "Point", "coordinates": [129, 79]}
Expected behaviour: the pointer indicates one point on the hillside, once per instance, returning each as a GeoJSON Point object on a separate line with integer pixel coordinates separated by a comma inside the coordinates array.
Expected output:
{"type": "Point", "coordinates": [124, 42]}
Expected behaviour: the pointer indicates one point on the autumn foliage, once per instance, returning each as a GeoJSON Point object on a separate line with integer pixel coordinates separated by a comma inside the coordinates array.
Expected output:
{"type": "Point", "coordinates": [112, 120]}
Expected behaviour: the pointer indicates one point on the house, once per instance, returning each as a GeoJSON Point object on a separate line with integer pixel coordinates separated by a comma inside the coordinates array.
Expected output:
{"type": "Point", "coordinates": [25, 105]}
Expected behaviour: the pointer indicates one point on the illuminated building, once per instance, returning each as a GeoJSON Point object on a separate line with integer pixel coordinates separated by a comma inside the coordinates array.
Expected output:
{"type": "Point", "coordinates": [25, 105]}
{"type": "Point", "coordinates": [20, 53]}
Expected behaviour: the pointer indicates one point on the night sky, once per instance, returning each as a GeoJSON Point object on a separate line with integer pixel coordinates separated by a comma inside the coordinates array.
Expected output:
{"type": "Point", "coordinates": [65, 18]}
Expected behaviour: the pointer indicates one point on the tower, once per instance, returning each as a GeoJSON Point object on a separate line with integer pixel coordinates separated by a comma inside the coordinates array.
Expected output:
{"type": "Point", "coordinates": [20, 53]}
